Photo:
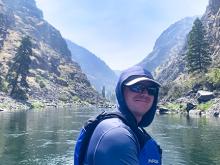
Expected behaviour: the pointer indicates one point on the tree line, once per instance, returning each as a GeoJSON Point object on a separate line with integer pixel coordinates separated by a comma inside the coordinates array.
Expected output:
{"type": "Point", "coordinates": [16, 78]}
{"type": "Point", "coordinates": [198, 56]}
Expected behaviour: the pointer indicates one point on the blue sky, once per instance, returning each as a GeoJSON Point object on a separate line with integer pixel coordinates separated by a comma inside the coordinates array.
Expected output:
{"type": "Point", "coordinates": [120, 32]}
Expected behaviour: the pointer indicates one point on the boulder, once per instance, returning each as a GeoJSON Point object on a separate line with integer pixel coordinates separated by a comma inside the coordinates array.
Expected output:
{"type": "Point", "coordinates": [204, 96]}
{"type": "Point", "coordinates": [163, 110]}
{"type": "Point", "coordinates": [189, 106]}
{"type": "Point", "coordinates": [216, 114]}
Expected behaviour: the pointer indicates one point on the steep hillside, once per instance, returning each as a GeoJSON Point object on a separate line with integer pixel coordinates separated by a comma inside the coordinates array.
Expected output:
{"type": "Point", "coordinates": [211, 20]}
{"type": "Point", "coordinates": [98, 73]}
{"type": "Point", "coordinates": [53, 75]}
{"type": "Point", "coordinates": [173, 68]}
{"type": "Point", "coordinates": [169, 44]}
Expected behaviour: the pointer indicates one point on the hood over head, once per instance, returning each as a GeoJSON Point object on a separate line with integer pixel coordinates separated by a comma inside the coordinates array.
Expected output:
{"type": "Point", "coordinates": [129, 77]}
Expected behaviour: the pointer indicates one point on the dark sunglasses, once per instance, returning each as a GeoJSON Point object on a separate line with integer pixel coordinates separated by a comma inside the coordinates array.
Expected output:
{"type": "Point", "coordinates": [140, 88]}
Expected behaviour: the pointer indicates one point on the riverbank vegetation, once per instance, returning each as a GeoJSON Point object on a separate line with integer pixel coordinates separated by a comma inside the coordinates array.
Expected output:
{"type": "Point", "coordinates": [199, 87]}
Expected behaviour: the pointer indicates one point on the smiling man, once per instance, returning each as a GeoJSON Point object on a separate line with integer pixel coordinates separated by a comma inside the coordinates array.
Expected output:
{"type": "Point", "coordinates": [127, 143]}
{"type": "Point", "coordinates": [139, 96]}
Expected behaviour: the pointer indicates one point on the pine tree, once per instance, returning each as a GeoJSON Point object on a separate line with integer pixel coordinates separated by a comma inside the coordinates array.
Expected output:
{"type": "Point", "coordinates": [198, 55]}
{"type": "Point", "coordinates": [1, 79]}
{"type": "Point", "coordinates": [19, 70]}
{"type": "Point", "coordinates": [103, 91]}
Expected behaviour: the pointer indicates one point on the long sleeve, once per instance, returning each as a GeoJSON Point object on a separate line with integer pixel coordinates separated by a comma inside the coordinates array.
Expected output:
{"type": "Point", "coordinates": [112, 143]}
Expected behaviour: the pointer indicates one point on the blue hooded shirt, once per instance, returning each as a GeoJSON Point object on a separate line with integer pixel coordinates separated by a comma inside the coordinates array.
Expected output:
{"type": "Point", "coordinates": [114, 142]}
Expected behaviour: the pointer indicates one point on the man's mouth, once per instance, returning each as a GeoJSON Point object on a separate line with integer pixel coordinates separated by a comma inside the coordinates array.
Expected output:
{"type": "Point", "coordinates": [142, 100]}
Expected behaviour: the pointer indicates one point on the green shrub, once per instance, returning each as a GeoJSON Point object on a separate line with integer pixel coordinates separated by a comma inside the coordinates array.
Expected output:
{"type": "Point", "coordinates": [19, 94]}
{"type": "Point", "coordinates": [174, 106]}
{"type": "Point", "coordinates": [75, 99]}
{"type": "Point", "coordinates": [3, 85]}
{"type": "Point", "coordinates": [164, 90]}
{"type": "Point", "coordinates": [64, 97]}
{"type": "Point", "coordinates": [41, 81]}
{"type": "Point", "coordinates": [205, 106]}
{"type": "Point", "coordinates": [176, 91]}
{"type": "Point", "coordinates": [37, 105]}
{"type": "Point", "coordinates": [41, 84]}
{"type": "Point", "coordinates": [214, 77]}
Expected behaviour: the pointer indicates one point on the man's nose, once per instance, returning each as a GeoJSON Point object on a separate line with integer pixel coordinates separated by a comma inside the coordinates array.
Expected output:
{"type": "Point", "coordinates": [144, 91]}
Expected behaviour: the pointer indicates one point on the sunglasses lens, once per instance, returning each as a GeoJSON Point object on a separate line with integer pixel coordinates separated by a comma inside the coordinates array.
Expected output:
{"type": "Point", "coordinates": [139, 88]}
{"type": "Point", "coordinates": [136, 88]}
{"type": "Point", "coordinates": [151, 91]}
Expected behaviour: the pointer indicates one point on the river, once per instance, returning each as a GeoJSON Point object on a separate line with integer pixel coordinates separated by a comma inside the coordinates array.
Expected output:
{"type": "Point", "coordinates": [47, 137]}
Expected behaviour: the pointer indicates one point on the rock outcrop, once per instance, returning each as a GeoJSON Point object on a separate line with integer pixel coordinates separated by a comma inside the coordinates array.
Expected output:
{"type": "Point", "coordinates": [168, 45]}
{"type": "Point", "coordinates": [175, 66]}
{"type": "Point", "coordinates": [51, 64]}
{"type": "Point", "coordinates": [211, 20]}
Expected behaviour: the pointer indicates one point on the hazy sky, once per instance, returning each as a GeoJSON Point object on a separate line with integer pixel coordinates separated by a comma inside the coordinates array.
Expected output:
{"type": "Point", "coordinates": [120, 32]}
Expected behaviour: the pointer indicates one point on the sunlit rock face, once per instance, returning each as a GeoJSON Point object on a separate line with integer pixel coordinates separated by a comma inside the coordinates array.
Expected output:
{"type": "Point", "coordinates": [169, 43]}
{"type": "Point", "coordinates": [166, 59]}
{"type": "Point", "coordinates": [211, 20]}
{"type": "Point", "coordinates": [175, 65]}
{"type": "Point", "coordinates": [51, 64]}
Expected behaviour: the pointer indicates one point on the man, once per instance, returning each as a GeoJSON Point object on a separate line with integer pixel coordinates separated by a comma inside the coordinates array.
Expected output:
{"type": "Point", "coordinates": [115, 143]}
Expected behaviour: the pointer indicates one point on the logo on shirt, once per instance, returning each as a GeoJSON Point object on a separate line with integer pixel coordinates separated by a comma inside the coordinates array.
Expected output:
{"type": "Point", "coordinates": [153, 161]}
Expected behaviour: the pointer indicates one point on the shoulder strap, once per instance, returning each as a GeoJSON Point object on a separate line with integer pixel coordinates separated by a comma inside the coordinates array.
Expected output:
{"type": "Point", "coordinates": [140, 134]}
{"type": "Point", "coordinates": [89, 128]}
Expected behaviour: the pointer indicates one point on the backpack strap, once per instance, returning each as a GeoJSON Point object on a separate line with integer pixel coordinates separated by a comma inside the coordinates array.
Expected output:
{"type": "Point", "coordinates": [139, 133]}
{"type": "Point", "coordinates": [89, 128]}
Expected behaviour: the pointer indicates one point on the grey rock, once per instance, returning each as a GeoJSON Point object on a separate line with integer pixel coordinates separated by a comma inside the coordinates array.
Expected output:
{"type": "Point", "coordinates": [204, 96]}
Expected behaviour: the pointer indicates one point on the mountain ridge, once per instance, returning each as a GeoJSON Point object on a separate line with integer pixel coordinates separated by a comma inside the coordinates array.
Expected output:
{"type": "Point", "coordinates": [97, 71]}
{"type": "Point", "coordinates": [170, 42]}
{"type": "Point", "coordinates": [51, 60]}
{"type": "Point", "coordinates": [176, 66]}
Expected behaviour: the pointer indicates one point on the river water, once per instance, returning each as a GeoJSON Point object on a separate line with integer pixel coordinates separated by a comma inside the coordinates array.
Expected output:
{"type": "Point", "coordinates": [47, 137]}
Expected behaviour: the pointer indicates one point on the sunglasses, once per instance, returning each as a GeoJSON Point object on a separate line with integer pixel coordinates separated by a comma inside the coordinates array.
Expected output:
{"type": "Point", "coordinates": [140, 88]}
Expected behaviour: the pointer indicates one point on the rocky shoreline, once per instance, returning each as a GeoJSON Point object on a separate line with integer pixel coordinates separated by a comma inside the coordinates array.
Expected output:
{"type": "Point", "coordinates": [191, 107]}
{"type": "Point", "coordinates": [185, 105]}
{"type": "Point", "coordinates": [9, 104]}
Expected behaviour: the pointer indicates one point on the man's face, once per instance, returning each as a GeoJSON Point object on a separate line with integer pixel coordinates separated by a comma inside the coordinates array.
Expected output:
{"type": "Point", "coordinates": [139, 98]}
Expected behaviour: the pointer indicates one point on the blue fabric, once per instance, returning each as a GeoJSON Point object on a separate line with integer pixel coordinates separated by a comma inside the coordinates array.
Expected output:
{"type": "Point", "coordinates": [114, 142]}
{"type": "Point", "coordinates": [150, 154]}
{"type": "Point", "coordinates": [78, 145]}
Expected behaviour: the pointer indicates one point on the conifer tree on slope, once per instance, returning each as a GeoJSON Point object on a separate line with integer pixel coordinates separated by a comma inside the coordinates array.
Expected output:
{"type": "Point", "coordinates": [198, 55]}
{"type": "Point", "coordinates": [19, 70]}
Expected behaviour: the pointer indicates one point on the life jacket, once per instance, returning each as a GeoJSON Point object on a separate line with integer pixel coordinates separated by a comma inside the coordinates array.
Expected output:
{"type": "Point", "coordinates": [149, 154]}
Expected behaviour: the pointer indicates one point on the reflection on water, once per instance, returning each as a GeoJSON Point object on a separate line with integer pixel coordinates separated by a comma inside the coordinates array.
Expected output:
{"type": "Point", "coordinates": [40, 137]}
{"type": "Point", "coordinates": [188, 141]}
{"type": "Point", "coordinates": [48, 137]}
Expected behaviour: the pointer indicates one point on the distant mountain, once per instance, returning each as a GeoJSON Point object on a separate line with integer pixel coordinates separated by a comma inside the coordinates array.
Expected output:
{"type": "Point", "coordinates": [169, 44]}
{"type": "Point", "coordinates": [174, 67]}
{"type": "Point", "coordinates": [98, 73]}
{"type": "Point", "coordinates": [53, 75]}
